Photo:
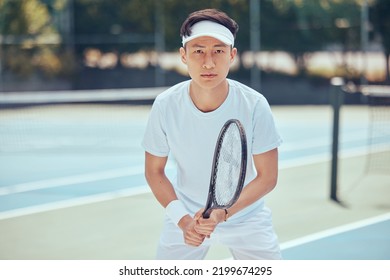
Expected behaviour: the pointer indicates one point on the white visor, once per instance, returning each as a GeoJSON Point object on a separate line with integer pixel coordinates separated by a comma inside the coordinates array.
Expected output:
{"type": "Point", "coordinates": [210, 29]}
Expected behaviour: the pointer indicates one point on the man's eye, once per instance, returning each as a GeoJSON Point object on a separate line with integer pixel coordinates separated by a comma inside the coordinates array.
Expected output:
{"type": "Point", "coordinates": [198, 51]}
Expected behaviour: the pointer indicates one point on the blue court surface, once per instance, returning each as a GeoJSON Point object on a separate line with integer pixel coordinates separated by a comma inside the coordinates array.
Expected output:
{"type": "Point", "coordinates": [63, 157]}
{"type": "Point", "coordinates": [365, 240]}
{"type": "Point", "coordinates": [52, 156]}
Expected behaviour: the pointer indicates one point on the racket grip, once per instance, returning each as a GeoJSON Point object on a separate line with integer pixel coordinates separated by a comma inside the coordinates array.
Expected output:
{"type": "Point", "coordinates": [206, 213]}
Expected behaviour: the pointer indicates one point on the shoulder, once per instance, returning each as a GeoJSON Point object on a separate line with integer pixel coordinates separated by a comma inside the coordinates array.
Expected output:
{"type": "Point", "coordinates": [172, 94]}
{"type": "Point", "coordinates": [247, 93]}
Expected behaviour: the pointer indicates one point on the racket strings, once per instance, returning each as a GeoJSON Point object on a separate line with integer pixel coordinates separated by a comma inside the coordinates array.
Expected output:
{"type": "Point", "coordinates": [228, 167]}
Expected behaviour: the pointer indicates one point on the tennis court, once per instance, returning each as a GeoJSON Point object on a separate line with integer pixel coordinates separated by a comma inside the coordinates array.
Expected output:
{"type": "Point", "coordinates": [72, 185]}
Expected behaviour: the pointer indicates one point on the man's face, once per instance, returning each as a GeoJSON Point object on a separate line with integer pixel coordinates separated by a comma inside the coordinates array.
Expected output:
{"type": "Point", "coordinates": [208, 60]}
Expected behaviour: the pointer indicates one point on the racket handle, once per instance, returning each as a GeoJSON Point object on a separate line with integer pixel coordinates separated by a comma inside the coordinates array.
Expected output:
{"type": "Point", "coordinates": [206, 213]}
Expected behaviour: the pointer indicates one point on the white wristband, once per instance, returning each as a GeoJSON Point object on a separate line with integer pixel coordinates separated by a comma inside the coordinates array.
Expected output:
{"type": "Point", "coordinates": [176, 210]}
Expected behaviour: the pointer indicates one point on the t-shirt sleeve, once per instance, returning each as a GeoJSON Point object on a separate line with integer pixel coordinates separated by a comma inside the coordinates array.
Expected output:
{"type": "Point", "coordinates": [155, 138]}
{"type": "Point", "coordinates": [265, 134]}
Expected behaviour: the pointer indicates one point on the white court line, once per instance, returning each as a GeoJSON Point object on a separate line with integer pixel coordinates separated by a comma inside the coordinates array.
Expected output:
{"type": "Point", "coordinates": [74, 202]}
{"type": "Point", "coordinates": [323, 142]}
{"type": "Point", "coordinates": [70, 180]}
{"type": "Point", "coordinates": [334, 231]}
{"type": "Point", "coordinates": [137, 170]}
{"type": "Point", "coordinates": [81, 95]}
{"type": "Point", "coordinates": [90, 177]}
{"type": "Point", "coordinates": [326, 156]}
{"type": "Point", "coordinates": [76, 179]}
{"type": "Point", "coordinates": [354, 152]}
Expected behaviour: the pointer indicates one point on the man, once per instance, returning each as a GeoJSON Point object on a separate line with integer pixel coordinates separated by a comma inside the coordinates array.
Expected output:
{"type": "Point", "coordinates": [184, 123]}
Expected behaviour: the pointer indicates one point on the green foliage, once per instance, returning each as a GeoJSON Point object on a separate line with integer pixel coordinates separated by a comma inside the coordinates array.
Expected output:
{"type": "Point", "coordinates": [32, 39]}
{"type": "Point", "coordinates": [43, 34]}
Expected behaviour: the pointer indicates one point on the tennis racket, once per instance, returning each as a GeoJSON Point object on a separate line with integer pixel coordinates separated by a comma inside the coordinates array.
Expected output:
{"type": "Point", "coordinates": [228, 169]}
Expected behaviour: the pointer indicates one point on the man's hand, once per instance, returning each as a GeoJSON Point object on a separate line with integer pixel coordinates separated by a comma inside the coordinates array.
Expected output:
{"type": "Point", "coordinates": [191, 236]}
{"type": "Point", "coordinates": [207, 226]}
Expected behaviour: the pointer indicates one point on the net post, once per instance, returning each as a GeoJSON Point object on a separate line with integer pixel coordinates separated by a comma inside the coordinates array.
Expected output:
{"type": "Point", "coordinates": [336, 99]}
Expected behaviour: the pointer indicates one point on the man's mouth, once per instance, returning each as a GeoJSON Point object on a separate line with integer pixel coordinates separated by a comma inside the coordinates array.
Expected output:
{"type": "Point", "coordinates": [208, 75]}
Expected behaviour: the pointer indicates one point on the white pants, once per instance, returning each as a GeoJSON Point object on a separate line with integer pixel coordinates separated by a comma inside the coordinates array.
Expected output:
{"type": "Point", "coordinates": [250, 239]}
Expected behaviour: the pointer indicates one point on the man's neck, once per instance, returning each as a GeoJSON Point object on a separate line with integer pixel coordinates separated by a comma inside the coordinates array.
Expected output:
{"type": "Point", "coordinates": [208, 100]}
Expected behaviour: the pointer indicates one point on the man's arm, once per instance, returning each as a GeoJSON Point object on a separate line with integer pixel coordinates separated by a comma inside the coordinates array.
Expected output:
{"type": "Point", "coordinates": [165, 194]}
{"type": "Point", "coordinates": [157, 179]}
{"type": "Point", "coordinates": [266, 165]}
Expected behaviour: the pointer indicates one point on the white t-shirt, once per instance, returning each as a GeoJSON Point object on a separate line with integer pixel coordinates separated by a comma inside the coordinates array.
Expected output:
{"type": "Point", "coordinates": [176, 128]}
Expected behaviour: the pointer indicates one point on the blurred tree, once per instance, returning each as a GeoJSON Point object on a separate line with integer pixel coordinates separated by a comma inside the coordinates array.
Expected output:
{"type": "Point", "coordinates": [31, 40]}
{"type": "Point", "coordinates": [34, 36]}
{"type": "Point", "coordinates": [381, 21]}
{"type": "Point", "coordinates": [303, 26]}
{"type": "Point", "coordinates": [295, 26]}
{"type": "Point", "coordinates": [129, 26]}
{"type": "Point", "coordinates": [114, 25]}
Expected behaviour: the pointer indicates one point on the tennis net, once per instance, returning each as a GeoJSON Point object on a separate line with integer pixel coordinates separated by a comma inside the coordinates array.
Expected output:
{"type": "Point", "coordinates": [378, 100]}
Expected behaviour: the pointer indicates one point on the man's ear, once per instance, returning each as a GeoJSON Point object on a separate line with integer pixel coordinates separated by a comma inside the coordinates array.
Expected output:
{"type": "Point", "coordinates": [233, 54]}
{"type": "Point", "coordinates": [183, 55]}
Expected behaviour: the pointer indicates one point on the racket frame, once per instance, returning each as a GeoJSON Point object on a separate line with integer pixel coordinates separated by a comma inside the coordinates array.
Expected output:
{"type": "Point", "coordinates": [211, 200]}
